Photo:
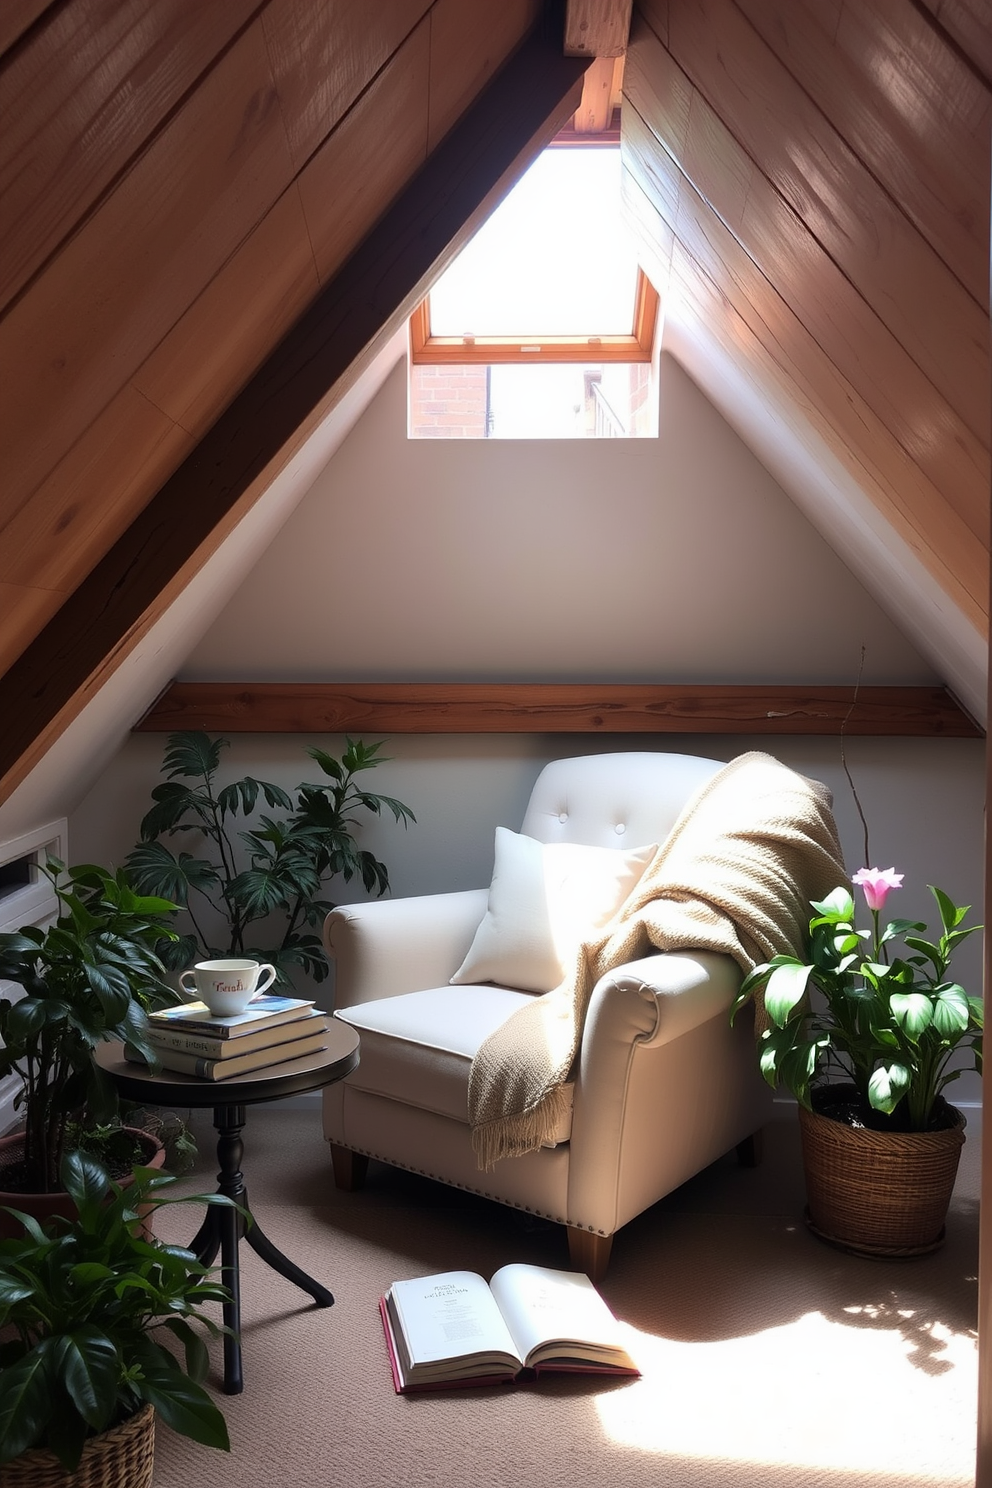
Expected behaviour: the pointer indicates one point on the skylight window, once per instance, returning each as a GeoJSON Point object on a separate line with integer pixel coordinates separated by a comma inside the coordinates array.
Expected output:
{"type": "Point", "coordinates": [554, 259]}
{"type": "Point", "coordinates": [551, 278]}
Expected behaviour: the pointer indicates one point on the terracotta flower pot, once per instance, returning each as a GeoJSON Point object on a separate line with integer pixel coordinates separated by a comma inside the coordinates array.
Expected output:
{"type": "Point", "coordinates": [122, 1457]}
{"type": "Point", "coordinates": [880, 1193]}
{"type": "Point", "coordinates": [42, 1206]}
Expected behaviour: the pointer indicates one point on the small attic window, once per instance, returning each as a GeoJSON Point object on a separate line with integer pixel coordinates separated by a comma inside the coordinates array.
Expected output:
{"type": "Point", "coordinates": [544, 325]}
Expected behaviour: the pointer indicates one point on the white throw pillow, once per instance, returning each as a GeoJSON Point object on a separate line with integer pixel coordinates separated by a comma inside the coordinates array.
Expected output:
{"type": "Point", "coordinates": [545, 899]}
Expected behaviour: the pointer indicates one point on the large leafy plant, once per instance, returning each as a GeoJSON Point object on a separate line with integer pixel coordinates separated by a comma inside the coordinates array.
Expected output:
{"type": "Point", "coordinates": [277, 866]}
{"type": "Point", "coordinates": [80, 1301]}
{"type": "Point", "coordinates": [852, 1010]}
{"type": "Point", "coordinates": [92, 975]}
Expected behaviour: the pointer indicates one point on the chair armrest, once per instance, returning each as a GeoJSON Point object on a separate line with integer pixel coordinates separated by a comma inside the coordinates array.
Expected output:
{"type": "Point", "coordinates": [661, 997]}
{"type": "Point", "coordinates": [659, 1087]}
{"type": "Point", "coordinates": [644, 1005]}
{"type": "Point", "coordinates": [391, 946]}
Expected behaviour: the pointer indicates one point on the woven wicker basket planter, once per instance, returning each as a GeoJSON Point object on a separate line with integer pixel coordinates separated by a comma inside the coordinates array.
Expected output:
{"type": "Point", "coordinates": [122, 1457]}
{"type": "Point", "coordinates": [878, 1193]}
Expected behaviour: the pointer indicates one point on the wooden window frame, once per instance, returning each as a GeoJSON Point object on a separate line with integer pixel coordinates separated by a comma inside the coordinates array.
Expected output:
{"type": "Point", "coordinates": [427, 350]}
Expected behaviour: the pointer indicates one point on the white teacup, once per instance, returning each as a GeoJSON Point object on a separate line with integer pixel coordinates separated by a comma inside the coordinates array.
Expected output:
{"type": "Point", "coordinates": [227, 986]}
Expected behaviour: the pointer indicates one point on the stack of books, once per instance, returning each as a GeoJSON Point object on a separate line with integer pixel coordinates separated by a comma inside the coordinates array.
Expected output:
{"type": "Point", "coordinates": [271, 1030]}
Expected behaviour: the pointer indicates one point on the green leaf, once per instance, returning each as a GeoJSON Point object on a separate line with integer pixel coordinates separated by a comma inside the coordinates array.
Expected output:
{"type": "Point", "coordinates": [925, 947]}
{"type": "Point", "coordinates": [90, 1368]}
{"type": "Point", "coordinates": [327, 763]}
{"type": "Point", "coordinates": [86, 1183]}
{"type": "Point", "coordinates": [193, 754]}
{"type": "Point", "coordinates": [952, 1011]}
{"type": "Point", "coordinates": [913, 1011]}
{"type": "Point", "coordinates": [838, 905]}
{"type": "Point", "coordinates": [155, 869]}
{"type": "Point", "coordinates": [950, 915]}
{"type": "Point", "coordinates": [276, 796]}
{"type": "Point", "coordinates": [25, 1392]}
{"type": "Point", "coordinates": [898, 928]}
{"type": "Point", "coordinates": [887, 1086]}
{"type": "Point", "coordinates": [173, 802]}
{"type": "Point", "coordinates": [182, 1403]}
{"type": "Point", "coordinates": [784, 992]}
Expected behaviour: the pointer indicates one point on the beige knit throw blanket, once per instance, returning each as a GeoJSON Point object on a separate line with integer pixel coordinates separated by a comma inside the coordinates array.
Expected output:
{"type": "Point", "coordinates": [749, 851]}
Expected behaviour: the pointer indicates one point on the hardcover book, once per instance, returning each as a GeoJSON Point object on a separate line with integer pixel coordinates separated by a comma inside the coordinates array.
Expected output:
{"type": "Point", "coordinates": [454, 1329]}
{"type": "Point", "coordinates": [240, 1064]}
{"type": "Point", "coordinates": [265, 1011]}
{"type": "Point", "coordinates": [186, 1040]}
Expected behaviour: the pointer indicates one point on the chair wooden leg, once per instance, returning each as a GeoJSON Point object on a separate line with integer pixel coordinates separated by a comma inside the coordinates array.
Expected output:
{"type": "Point", "coordinates": [751, 1150]}
{"type": "Point", "coordinates": [589, 1252]}
{"type": "Point", "coordinates": [349, 1167]}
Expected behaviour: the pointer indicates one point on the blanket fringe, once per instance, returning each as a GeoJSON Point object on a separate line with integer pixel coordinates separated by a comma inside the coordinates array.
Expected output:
{"type": "Point", "coordinates": [513, 1136]}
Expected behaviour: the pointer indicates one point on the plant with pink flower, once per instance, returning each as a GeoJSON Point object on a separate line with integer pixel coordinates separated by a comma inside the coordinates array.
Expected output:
{"type": "Point", "coordinates": [876, 883]}
{"type": "Point", "coordinates": [853, 1011]}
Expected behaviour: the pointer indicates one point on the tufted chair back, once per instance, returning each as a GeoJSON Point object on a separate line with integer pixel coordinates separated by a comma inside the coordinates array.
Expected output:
{"type": "Point", "coordinates": [613, 800]}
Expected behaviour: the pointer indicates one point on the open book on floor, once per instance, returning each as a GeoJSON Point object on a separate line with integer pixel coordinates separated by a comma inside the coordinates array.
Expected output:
{"type": "Point", "coordinates": [455, 1329]}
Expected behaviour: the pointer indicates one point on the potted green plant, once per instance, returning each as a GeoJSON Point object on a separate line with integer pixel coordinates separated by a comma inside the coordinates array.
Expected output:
{"type": "Point", "coordinates": [865, 1038]}
{"type": "Point", "coordinates": [83, 1372]}
{"type": "Point", "coordinates": [91, 975]}
{"type": "Point", "coordinates": [277, 868]}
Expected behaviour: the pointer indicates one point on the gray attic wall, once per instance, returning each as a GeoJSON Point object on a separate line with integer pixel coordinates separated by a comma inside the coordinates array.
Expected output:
{"type": "Point", "coordinates": [676, 559]}
{"type": "Point", "coordinates": [671, 560]}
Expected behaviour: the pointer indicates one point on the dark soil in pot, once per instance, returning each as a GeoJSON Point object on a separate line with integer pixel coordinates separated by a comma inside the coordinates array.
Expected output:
{"type": "Point", "coordinates": [842, 1103]}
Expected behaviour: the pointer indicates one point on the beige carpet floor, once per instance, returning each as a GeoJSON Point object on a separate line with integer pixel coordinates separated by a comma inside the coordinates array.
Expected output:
{"type": "Point", "coordinates": [768, 1357]}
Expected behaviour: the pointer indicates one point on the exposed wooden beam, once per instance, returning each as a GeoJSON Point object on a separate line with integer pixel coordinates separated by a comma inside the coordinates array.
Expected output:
{"type": "Point", "coordinates": [597, 28]}
{"type": "Point", "coordinates": [569, 708]}
{"type": "Point", "coordinates": [594, 113]}
{"type": "Point", "coordinates": [170, 539]}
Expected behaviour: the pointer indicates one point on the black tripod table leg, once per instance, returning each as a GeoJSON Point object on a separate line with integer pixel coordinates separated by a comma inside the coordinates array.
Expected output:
{"type": "Point", "coordinates": [263, 1247]}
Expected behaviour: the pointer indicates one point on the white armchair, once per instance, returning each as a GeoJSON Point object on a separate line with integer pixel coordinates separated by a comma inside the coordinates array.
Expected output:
{"type": "Point", "coordinates": [662, 1086]}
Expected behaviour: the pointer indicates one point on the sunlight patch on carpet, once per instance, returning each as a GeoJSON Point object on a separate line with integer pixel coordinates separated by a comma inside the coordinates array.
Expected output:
{"type": "Point", "coordinates": [896, 1399]}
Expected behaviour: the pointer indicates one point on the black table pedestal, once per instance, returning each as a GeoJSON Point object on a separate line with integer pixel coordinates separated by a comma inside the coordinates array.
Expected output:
{"type": "Point", "coordinates": [223, 1229]}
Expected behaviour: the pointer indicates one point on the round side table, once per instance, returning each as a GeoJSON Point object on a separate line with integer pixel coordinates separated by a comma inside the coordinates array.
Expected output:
{"type": "Point", "coordinates": [223, 1228]}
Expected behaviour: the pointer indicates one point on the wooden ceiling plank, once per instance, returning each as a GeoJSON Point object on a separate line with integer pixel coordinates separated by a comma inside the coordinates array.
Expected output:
{"type": "Point", "coordinates": [569, 707]}
{"type": "Point", "coordinates": [969, 25]}
{"type": "Point", "coordinates": [943, 329]}
{"type": "Point", "coordinates": [73, 517]}
{"type": "Point", "coordinates": [373, 152]}
{"type": "Point", "coordinates": [214, 348]}
{"type": "Point", "coordinates": [103, 619]}
{"type": "Point", "coordinates": [16, 17]}
{"type": "Point", "coordinates": [139, 261]}
{"type": "Point", "coordinates": [76, 515]}
{"type": "Point", "coordinates": [324, 56]}
{"type": "Point", "coordinates": [597, 28]}
{"type": "Point", "coordinates": [794, 264]}
{"type": "Point", "coordinates": [725, 294]}
{"type": "Point", "coordinates": [465, 54]}
{"type": "Point", "coordinates": [80, 99]}
{"type": "Point", "coordinates": [655, 239]}
{"type": "Point", "coordinates": [908, 105]}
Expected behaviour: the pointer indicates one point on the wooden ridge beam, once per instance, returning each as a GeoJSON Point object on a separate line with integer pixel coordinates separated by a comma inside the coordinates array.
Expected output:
{"type": "Point", "coordinates": [170, 539]}
{"type": "Point", "coordinates": [560, 707]}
